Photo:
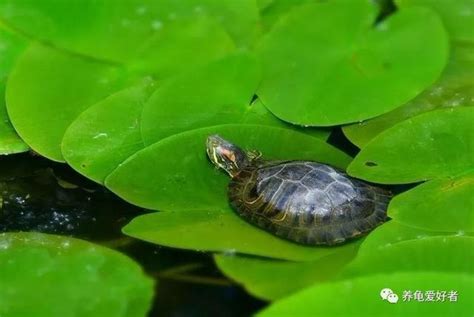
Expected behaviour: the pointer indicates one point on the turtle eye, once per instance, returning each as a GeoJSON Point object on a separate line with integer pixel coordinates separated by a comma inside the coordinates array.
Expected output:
{"type": "Point", "coordinates": [229, 155]}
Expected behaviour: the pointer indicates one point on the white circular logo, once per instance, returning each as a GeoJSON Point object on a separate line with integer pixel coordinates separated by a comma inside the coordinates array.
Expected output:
{"type": "Point", "coordinates": [388, 295]}
{"type": "Point", "coordinates": [385, 292]}
{"type": "Point", "coordinates": [392, 298]}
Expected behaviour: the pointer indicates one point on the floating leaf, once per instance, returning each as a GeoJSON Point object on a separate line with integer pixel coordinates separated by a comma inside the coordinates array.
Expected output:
{"type": "Point", "coordinates": [121, 31]}
{"type": "Point", "coordinates": [179, 47]}
{"type": "Point", "coordinates": [441, 205]}
{"type": "Point", "coordinates": [277, 9]}
{"type": "Point", "coordinates": [417, 255]}
{"type": "Point", "coordinates": [220, 231]}
{"type": "Point", "coordinates": [259, 114]}
{"type": "Point", "coordinates": [60, 86]}
{"type": "Point", "coordinates": [107, 133]}
{"type": "Point", "coordinates": [455, 88]}
{"type": "Point", "coordinates": [263, 4]}
{"type": "Point", "coordinates": [10, 142]}
{"type": "Point", "coordinates": [390, 233]}
{"type": "Point", "coordinates": [431, 145]}
{"type": "Point", "coordinates": [354, 72]}
{"type": "Point", "coordinates": [271, 280]}
{"type": "Point", "coordinates": [10, 47]}
{"type": "Point", "coordinates": [133, 33]}
{"type": "Point", "coordinates": [46, 275]}
{"type": "Point", "coordinates": [458, 16]}
{"type": "Point", "coordinates": [362, 297]}
{"type": "Point", "coordinates": [218, 93]}
{"type": "Point", "coordinates": [175, 173]}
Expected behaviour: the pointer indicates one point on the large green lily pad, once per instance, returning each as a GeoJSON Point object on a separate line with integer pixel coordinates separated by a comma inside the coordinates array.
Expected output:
{"type": "Point", "coordinates": [458, 16]}
{"type": "Point", "coordinates": [354, 72]}
{"type": "Point", "coordinates": [217, 93]}
{"type": "Point", "coordinates": [393, 232]}
{"type": "Point", "coordinates": [52, 276]}
{"type": "Point", "coordinates": [439, 205]}
{"type": "Point", "coordinates": [361, 296]}
{"type": "Point", "coordinates": [120, 43]}
{"type": "Point", "coordinates": [107, 133]}
{"type": "Point", "coordinates": [60, 86]}
{"type": "Point", "coordinates": [10, 142]}
{"type": "Point", "coordinates": [277, 9]}
{"type": "Point", "coordinates": [124, 30]}
{"type": "Point", "coordinates": [454, 89]}
{"type": "Point", "coordinates": [175, 173]}
{"type": "Point", "coordinates": [272, 280]}
{"type": "Point", "coordinates": [219, 231]}
{"type": "Point", "coordinates": [431, 145]}
{"type": "Point", "coordinates": [11, 46]}
{"type": "Point", "coordinates": [417, 255]}
{"type": "Point", "coordinates": [257, 113]}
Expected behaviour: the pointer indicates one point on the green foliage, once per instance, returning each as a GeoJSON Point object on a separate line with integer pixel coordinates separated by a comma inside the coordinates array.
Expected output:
{"type": "Point", "coordinates": [107, 133]}
{"type": "Point", "coordinates": [69, 84]}
{"type": "Point", "coordinates": [424, 255]}
{"type": "Point", "coordinates": [375, 69]}
{"type": "Point", "coordinates": [457, 15]}
{"type": "Point", "coordinates": [216, 94]}
{"type": "Point", "coordinates": [432, 145]}
{"type": "Point", "coordinates": [128, 30]}
{"type": "Point", "coordinates": [126, 92]}
{"type": "Point", "coordinates": [11, 45]}
{"type": "Point", "coordinates": [441, 205]}
{"type": "Point", "coordinates": [455, 88]}
{"type": "Point", "coordinates": [360, 297]}
{"type": "Point", "coordinates": [274, 10]}
{"type": "Point", "coordinates": [158, 38]}
{"type": "Point", "coordinates": [393, 232]}
{"type": "Point", "coordinates": [219, 231]}
{"type": "Point", "coordinates": [48, 276]}
{"type": "Point", "coordinates": [272, 280]}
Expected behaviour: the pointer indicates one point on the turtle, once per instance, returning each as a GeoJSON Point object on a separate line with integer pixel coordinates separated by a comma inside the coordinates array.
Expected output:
{"type": "Point", "coordinates": [305, 202]}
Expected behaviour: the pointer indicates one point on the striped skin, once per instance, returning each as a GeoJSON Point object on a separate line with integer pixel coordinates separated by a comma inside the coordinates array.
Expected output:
{"type": "Point", "coordinates": [307, 202]}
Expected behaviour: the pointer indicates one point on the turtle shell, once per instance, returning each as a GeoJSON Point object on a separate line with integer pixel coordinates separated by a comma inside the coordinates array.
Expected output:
{"type": "Point", "coordinates": [307, 202]}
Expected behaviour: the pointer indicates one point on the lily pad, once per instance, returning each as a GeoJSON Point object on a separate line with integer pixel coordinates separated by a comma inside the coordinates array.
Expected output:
{"type": "Point", "coordinates": [355, 72]}
{"type": "Point", "coordinates": [454, 89]}
{"type": "Point", "coordinates": [257, 113]}
{"type": "Point", "coordinates": [219, 231]}
{"type": "Point", "coordinates": [218, 93]}
{"type": "Point", "coordinates": [175, 173]}
{"type": "Point", "coordinates": [439, 205]}
{"type": "Point", "coordinates": [73, 277]}
{"type": "Point", "coordinates": [277, 9]}
{"type": "Point", "coordinates": [11, 46]}
{"type": "Point", "coordinates": [417, 255]}
{"type": "Point", "coordinates": [431, 145]}
{"type": "Point", "coordinates": [107, 133]}
{"type": "Point", "coordinates": [179, 47]}
{"type": "Point", "coordinates": [362, 295]}
{"type": "Point", "coordinates": [60, 86]}
{"type": "Point", "coordinates": [272, 280]}
{"type": "Point", "coordinates": [458, 16]}
{"type": "Point", "coordinates": [120, 31]}
{"type": "Point", "coordinates": [10, 142]}
{"type": "Point", "coordinates": [392, 232]}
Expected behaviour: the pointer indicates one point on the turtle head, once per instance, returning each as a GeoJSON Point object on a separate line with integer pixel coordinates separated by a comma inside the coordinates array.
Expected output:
{"type": "Point", "coordinates": [226, 155]}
